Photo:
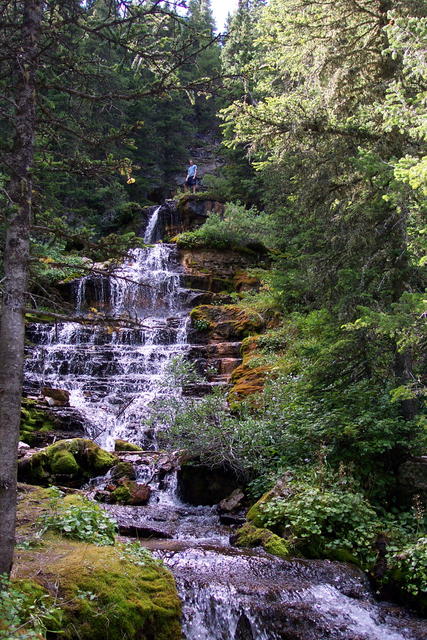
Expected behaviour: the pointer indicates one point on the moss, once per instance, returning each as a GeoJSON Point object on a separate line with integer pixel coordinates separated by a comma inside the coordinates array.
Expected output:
{"type": "Point", "coordinates": [251, 536]}
{"type": "Point", "coordinates": [123, 445]}
{"type": "Point", "coordinates": [227, 321]}
{"type": "Point", "coordinates": [67, 462]}
{"type": "Point", "coordinates": [33, 421]}
{"type": "Point", "coordinates": [63, 462]}
{"type": "Point", "coordinates": [103, 595]}
{"type": "Point", "coordinates": [248, 379]}
{"type": "Point", "coordinates": [255, 514]}
{"type": "Point", "coordinates": [123, 470]}
{"type": "Point", "coordinates": [122, 495]}
{"type": "Point", "coordinates": [243, 281]}
{"type": "Point", "coordinates": [183, 198]}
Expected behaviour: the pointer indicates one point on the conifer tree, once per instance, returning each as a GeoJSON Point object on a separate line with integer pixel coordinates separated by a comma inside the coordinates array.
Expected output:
{"type": "Point", "coordinates": [62, 64]}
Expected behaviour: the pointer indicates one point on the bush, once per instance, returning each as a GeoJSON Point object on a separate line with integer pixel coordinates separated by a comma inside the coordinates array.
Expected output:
{"type": "Point", "coordinates": [324, 521]}
{"type": "Point", "coordinates": [240, 227]}
{"type": "Point", "coordinates": [408, 567]}
{"type": "Point", "coordinates": [80, 519]}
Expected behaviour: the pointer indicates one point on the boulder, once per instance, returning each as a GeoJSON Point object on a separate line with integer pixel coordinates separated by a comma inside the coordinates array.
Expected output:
{"type": "Point", "coordinates": [56, 397]}
{"type": "Point", "coordinates": [251, 536]}
{"type": "Point", "coordinates": [68, 462]}
{"type": "Point", "coordinates": [233, 502]}
{"type": "Point", "coordinates": [123, 470]}
{"type": "Point", "coordinates": [123, 445]}
{"type": "Point", "coordinates": [131, 493]}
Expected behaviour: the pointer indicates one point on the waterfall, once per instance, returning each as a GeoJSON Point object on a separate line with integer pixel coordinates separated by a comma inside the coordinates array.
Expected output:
{"type": "Point", "coordinates": [114, 375]}
{"type": "Point", "coordinates": [149, 232]}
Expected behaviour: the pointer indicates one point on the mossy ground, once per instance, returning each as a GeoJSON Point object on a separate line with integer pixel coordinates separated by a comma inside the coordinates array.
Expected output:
{"type": "Point", "coordinates": [102, 593]}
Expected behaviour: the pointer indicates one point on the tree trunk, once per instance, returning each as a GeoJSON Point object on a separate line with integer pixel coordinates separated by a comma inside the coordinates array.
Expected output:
{"type": "Point", "coordinates": [16, 258]}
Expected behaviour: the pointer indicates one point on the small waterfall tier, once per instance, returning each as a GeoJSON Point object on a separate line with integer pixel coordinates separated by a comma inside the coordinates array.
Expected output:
{"type": "Point", "coordinates": [114, 374]}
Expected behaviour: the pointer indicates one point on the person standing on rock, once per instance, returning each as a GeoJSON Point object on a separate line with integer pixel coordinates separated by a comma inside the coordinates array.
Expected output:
{"type": "Point", "coordinates": [191, 179]}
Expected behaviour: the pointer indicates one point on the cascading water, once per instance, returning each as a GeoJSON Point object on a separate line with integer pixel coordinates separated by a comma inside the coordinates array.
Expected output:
{"type": "Point", "coordinates": [114, 375]}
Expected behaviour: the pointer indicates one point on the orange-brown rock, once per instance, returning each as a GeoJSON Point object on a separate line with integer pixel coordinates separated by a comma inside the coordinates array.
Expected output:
{"type": "Point", "coordinates": [216, 262]}
{"type": "Point", "coordinates": [243, 281]}
{"type": "Point", "coordinates": [248, 378]}
{"type": "Point", "coordinates": [226, 322]}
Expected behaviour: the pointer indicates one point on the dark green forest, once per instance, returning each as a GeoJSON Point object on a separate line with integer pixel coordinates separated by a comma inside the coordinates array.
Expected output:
{"type": "Point", "coordinates": [316, 114]}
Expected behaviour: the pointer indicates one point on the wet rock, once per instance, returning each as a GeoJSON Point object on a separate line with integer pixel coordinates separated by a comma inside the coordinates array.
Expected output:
{"type": "Point", "coordinates": [233, 502]}
{"type": "Point", "coordinates": [231, 519]}
{"type": "Point", "coordinates": [201, 485]}
{"type": "Point", "coordinates": [131, 493]}
{"type": "Point", "coordinates": [56, 397]}
{"type": "Point", "coordinates": [140, 493]}
{"type": "Point", "coordinates": [251, 592]}
{"type": "Point", "coordinates": [123, 470]}
{"type": "Point", "coordinates": [139, 531]}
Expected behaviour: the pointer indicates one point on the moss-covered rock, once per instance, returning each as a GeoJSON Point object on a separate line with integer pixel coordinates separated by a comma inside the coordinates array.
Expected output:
{"type": "Point", "coordinates": [123, 445]}
{"type": "Point", "coordinates": [33, 421]}
{"type": "Point", "coordinates": [123, 470]}
{"type": "Point", "coordinates": [105, 593]}
{"type": "Point", "coordinates": [251, 536]}
{"type": "Point", "coordinates": [255, 514]}
{"type": "Point", "coordinates": [131, 493]}
{"type": "Point", "coordinates": [227, 322]}
{"type": "Point", "coordinates": [249, 377]}
{"type": "Point", "coordinates": [67, 462]}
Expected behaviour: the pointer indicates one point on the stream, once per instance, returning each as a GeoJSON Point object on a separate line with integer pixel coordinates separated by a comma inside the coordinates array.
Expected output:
{"type": "Point", "coordinates": [116, 378]}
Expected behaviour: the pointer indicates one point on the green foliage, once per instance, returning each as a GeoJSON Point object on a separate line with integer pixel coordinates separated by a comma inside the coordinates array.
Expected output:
{"type": "Point", "coordinates": [324, 520]}
{"type": "Point", "coordinates": [239, 227]}
{"type": "Point", "coordinates": [83, 520]}
{"type": "Point", "coordinates": [408, 566]}
{"type": "Point", "coordinates": [329, 392]}
{"type": "Point", "coordinates": [27, 612]}
{"type": "Point", "coordinates": [138, 555]}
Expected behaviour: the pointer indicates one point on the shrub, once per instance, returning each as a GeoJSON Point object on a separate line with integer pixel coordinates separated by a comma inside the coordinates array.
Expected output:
{"type": "Point", "coordinates": [80, 519]}
{"type": "Point", "coordinates": [408, 567]}
{"type": "Point", "coordinates": [240, 227]}
{"type": "Point", "coordinates": [324, 521]}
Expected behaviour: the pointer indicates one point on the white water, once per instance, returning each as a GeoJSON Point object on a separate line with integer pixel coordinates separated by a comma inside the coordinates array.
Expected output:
{"type": "Point", "coordinates": [149, 232]}
{"type": "Point", "coordinates": [114, 375]}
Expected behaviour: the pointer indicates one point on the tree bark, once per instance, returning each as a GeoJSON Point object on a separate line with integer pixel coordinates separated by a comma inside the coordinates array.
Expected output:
{"type": "Point", "coordinates": [16, 259]}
